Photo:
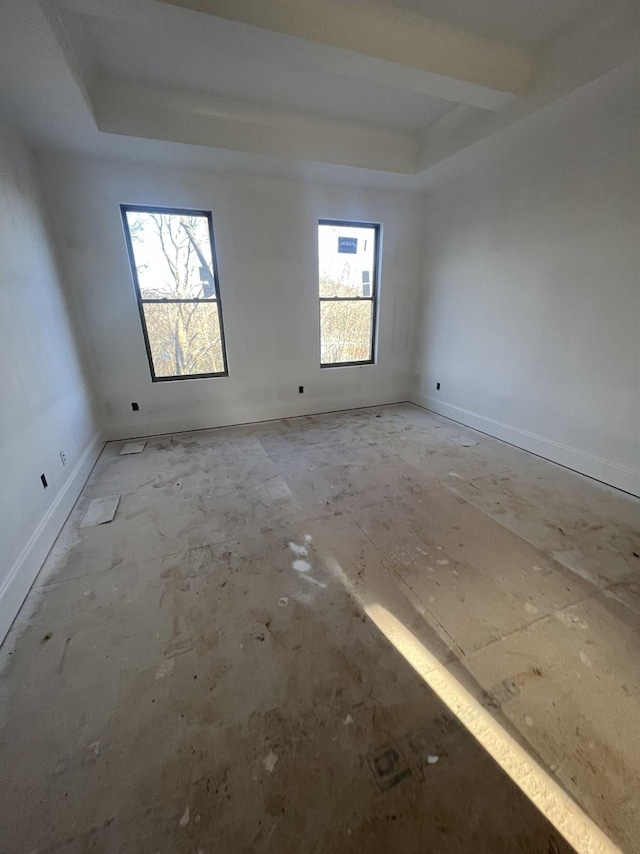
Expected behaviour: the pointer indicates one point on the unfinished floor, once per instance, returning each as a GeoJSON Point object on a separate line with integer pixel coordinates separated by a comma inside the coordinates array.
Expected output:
{"type": "Point", "coordinates": [210, 672]}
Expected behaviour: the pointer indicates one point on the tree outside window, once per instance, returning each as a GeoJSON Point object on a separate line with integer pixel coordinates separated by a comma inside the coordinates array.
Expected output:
{"type": "Point", "coordinates": [173, 264]}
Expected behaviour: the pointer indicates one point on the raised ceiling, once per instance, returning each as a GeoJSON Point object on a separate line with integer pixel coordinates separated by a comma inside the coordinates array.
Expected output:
{"type": "Point", "coordinates": [219, 58]}
{"type": "Point", "coordinates": [524, 23]}
{"type": "Point", "coordinates": [387, 87]}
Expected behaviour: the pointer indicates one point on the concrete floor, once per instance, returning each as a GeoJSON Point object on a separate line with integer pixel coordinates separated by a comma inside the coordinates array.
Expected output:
{"type": "Point", "coordinates": [199, 675]}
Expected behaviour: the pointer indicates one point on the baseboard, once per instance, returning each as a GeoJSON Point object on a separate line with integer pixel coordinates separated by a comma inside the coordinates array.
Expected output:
{"type": "Point", "coordinates": [600, 469]}
{"type": "Point", "coordinates": [26, 568]}
{"type": "Point", "coordinates": [231, 418]}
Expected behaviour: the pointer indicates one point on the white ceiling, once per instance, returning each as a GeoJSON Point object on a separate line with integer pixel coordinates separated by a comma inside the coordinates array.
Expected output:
{"type": "Point", "coordinates": [210, 55]}
{"type": "Point", "coordinates": [526, 23]}
{"type": "Point", "coordinates": [359, 91]}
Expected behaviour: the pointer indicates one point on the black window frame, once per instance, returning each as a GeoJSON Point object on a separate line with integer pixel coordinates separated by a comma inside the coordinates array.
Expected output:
{"type": "Point", "coordinates": [377, 227]}
{"type": "Point", "coordinates": [157, 209]}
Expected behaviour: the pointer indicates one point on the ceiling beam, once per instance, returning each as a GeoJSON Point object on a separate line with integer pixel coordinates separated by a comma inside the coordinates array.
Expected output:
{"type": "Point", "coordinates": [383, 32]}
{"type": "Point", "coordinates": [151, 112]}
{"type": "Point", "coordinates": [604, 41]}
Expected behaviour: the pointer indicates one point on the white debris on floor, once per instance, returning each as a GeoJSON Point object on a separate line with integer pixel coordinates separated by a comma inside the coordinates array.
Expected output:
{"type": "Point", "coordinates": [100, 511]}
{"type": "Point", "coordinates": [463, 441]}
{"type": "Point", "coordinates": [133, 448]}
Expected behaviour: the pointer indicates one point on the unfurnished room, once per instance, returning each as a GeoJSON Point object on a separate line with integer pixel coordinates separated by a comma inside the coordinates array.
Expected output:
{"type": "Point", "coordinates": [320, 426]}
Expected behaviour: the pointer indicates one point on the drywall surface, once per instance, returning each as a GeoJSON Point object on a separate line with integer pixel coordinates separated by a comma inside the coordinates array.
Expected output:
{"type": "Point", "coordinates": [266, 242]}
{"type": "Point", "coordinates": [45, 404]}
{"type": "Point", "coordinates": [530, 314]}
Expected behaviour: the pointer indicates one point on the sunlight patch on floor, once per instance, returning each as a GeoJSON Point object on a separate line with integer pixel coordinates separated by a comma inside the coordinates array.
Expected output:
{"type": "Point", "coordinates": [554, 803]}
{"type": "Point", "coordinates": [538, 785]}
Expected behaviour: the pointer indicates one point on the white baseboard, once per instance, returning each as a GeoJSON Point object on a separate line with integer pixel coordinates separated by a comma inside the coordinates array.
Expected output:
{"type": "Point", "coordinates": [606, 471]}
{"type": "Point", "coordinates": [23, 573]}
{"type": "Point", "coordinates": [233, 417]}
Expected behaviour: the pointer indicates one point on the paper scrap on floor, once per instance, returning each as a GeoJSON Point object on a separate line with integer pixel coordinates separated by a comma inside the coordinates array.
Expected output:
{"type": "Point", "coordinates": [100, 511]}
{"type": "Point", "coordinates": [133, 448]}
{"type": "Point", "coordinates": [464, 442]}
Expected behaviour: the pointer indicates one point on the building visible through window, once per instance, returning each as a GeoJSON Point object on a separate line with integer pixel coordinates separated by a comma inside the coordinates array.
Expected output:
{"type": "Point", "coordinates": [348, 276]}
{"type": "Point", "coordinates": [173, 264]}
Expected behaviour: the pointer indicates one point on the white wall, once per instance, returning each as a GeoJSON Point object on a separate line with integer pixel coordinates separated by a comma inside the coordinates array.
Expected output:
{"type": "Point", "coordinates": [266, 242]}
{"type": "Point", "coordinates": [531, 307]}
{"type": "Point", "coordinates": [45, 404]}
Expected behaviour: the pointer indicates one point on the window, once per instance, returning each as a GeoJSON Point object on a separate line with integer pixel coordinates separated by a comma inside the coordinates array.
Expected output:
{"type": "Point", "coordinates": [173, 264]}
{"type": "Point", "coordinates": [348, 273]}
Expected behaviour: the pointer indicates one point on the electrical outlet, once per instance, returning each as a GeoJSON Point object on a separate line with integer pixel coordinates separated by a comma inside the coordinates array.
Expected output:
{"type": "Point", "coordinates": [63, 457]}
{"type": "Point", "coordinates": [135, 407]}
{"type": "Point", "coordinates": [300, 389]}
{"type": "Point", "coordinates": [438, 386]}
{"type": "Point", "coordinates": [44, 481]}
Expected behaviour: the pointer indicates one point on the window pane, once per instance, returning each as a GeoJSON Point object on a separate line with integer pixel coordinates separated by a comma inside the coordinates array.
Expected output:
{"type": "Point", "coordinates": [172, 253]}
{"type": "Point", "coordinates": [347, 256]}
{"type": "Point", "coordinates": [345, 331]}
{"type": "Point", "coordinates": [184, 338]}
